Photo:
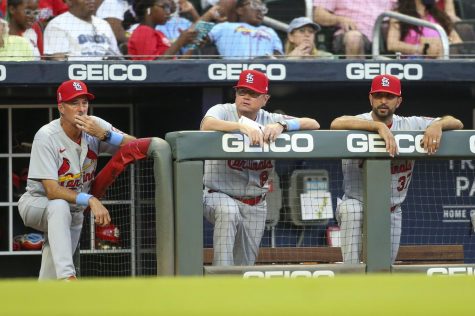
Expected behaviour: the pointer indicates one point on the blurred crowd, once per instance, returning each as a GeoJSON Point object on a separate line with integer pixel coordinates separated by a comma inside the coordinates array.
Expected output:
{"type": "Point", "coordinates": [230, 29]}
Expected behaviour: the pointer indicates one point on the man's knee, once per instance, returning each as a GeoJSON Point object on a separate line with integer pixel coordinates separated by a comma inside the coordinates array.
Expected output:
{"type": "Point", "coordinates": [354, 40]}
{"type": "Point", "coordinates": [227, 214]}
{"type": "Point", "coordinates": [59, 208]}
{"type": "Point", "coordinates": [350, 210]}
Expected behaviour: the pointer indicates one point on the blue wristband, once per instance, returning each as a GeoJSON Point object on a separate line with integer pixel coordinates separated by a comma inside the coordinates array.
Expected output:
{"type": "Point", "coordinates": [83, 199]}
{"type": "Point", "coordinates": [115, 138]}
{"type": "Point", "coordinates": [293, 125]}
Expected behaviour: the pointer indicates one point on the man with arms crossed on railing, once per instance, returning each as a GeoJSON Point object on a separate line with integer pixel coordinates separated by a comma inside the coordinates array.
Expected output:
{"type": "Point", "coordinates": [62, 168]}
{"type": "Point", "coordinates": [235, 190]}
{"type": "Point", "coordinates": [384, 97]}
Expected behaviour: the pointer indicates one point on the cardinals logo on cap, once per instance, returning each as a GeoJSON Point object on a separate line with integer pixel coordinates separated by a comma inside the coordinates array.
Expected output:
{"type": "Point", "coordinates": [77, 86]}
{"type": "Point", "coordinates": [250, 78]}
{"type": "Point", "coordinates": [385, 82]}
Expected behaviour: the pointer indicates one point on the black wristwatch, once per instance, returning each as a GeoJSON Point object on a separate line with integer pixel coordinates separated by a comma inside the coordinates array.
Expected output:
{"type": "Point", "coordinates": [107, 136]}
{"type": "Point", "coordinates": [284, 125]}
{"type": "Point", "coordinates": [425, 49]}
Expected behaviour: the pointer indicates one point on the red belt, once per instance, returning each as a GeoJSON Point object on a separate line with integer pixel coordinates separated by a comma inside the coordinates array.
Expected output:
{"type": "Point", "coordinates": [393, 208]}
{"type": "Point", "coordinates": [249, 201]}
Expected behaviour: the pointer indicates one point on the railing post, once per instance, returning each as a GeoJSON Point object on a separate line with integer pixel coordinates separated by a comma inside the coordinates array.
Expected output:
{"type": "Point", "coordinates": [377, 215]}
{"type": "Point", "coordinates": [188, 187]}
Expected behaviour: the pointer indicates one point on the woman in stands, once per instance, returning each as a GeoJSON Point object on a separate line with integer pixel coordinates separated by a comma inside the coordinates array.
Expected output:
{"type": "Point", "coordinates": [300, 41]}
{"type": "Point", "coordinates": [416, 41]}
{"type": "Point", "coordinates": [146, 43]}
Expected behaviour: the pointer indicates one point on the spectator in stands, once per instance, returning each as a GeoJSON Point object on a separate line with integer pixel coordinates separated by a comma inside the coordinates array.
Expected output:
{"type": "Point", "coordinates": [384, 98]}
{"type": "Point", "coordinates": [418, 41]}
{"type": "Point", "coordinates": [146, 43]}
{"type": "Point", "coordinates": [12, 47]}
{"type": "Point", "coordinates": [174, 25]}
{"type": "Point", "coordinates": [113, 12]}
{"type": "Point", "coordinates": [355, 21]}
{"type": "Point", "coordinates": [235, 190]}
{"type": "Point", "coordinates": [301, 40]}
{"type": "Point", "coordinates": [247, 38]}
{"type": "Point", "coordinates": [22, 15]}
{"type": "Point", "coordinates": [48, 9]}
{"type": "Point", "coordinates": [79, 35]}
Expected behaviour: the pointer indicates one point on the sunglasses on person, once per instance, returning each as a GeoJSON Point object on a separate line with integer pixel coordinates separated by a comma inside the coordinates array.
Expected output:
{"type": "Point", "coordinates": [33, 13]}
{"type": "Point", "coordinates": [166, 7]}
{"type": "Point", "coordinates": [255, 5]}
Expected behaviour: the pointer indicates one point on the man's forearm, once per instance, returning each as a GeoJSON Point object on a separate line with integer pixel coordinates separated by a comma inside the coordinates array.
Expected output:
{"type": "Point", "coordinates": [325, 18]}
{"type": "Point", "coordinates": [448, 122]}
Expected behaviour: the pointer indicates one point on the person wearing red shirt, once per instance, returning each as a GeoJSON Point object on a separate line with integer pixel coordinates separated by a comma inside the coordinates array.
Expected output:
{"type": "Point", "coordinates": [146, 43]}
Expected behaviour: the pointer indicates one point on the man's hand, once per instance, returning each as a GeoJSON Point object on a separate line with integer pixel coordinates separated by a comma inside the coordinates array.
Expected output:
{"type": "Point", "coordinates": [255, 135]}
{"type": "Point", "coordinates": [385, 133]}
{"type": "Point", "coordinates": [347, 24]}
{"type": "Point", "coordinates": [272, 131]}
{"type": "Point", "coordinates": [432, 137]}
{"type": "Point", "coordinates": [101, 214]}
{"type": "Point", "coordinates": [89, 125]}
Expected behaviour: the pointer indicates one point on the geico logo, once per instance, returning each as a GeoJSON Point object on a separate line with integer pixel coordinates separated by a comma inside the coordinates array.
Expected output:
{"type": "Point", "coordinates": [237, 143]}
{"type": "Point", "coordinates": [357, 71]}
{"type": "Point", "coordinates": [288, 274]}
{"type": "Point", "coordinates": [472, 143]}
{"type": "Point", "coordinates": [117, 72]}
{"type": "Point", "coordinates": [450, 271]}
{"type": "Point", "coordinates": [3, 72]}
{"type": "Point", "coordinates": [232, 71]}
{"type": "Point", "coordinates": [373, 143]}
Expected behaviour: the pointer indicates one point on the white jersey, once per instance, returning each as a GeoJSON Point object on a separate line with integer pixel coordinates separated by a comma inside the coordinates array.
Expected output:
{"type": "Point", "coordinates": [55, 156]}
{"type": "Point", "coordinates": [241, 178]}
{"type": "Point", "coordinates": [401, 169]}
{"type": "Point", "coordinates": [80, 40]}
{"type": "Point", "coordinates": [112, 9]}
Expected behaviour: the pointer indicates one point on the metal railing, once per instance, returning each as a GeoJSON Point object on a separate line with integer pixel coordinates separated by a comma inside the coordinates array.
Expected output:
{"type": "Point", "coordinates": [411, 20]}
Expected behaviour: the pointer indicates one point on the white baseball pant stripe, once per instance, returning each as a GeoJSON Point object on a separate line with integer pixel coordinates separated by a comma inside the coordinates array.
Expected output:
{"type": "Point", "coordinates": [238, 228]}
{"type": "Point", "coordinates": [62, 230]}
{"type": "Point", "coordinates": [349, 214]}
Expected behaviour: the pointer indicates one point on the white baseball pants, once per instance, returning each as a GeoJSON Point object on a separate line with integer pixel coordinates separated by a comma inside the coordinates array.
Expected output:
{"type": "Point", "coordinates": [62, 230]}
{"type": "Point", "coordinates": [238, 228]}
{"type": "Point", "coordinates": [349, 214]}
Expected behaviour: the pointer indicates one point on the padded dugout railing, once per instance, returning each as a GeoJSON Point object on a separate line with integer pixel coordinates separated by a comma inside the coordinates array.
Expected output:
{"type": "Point", "coordinates": [191, 148]}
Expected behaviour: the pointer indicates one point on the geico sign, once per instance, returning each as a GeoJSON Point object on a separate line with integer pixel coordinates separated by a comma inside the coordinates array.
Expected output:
{"type": "Point", "coordinates": [119, 72]}
{"type": "Point", "coordinates": [373, 143]}
{"type": "Point", "coordinates": [357, 71]}
{"type": "Point", "coordinates": [232, 71]}
{"type": "Point", "coordinates": [299, 143]}
{"type": "Point", "coordinates": [3, 72]}
{"type": "Point", "coordinates": [288, 274]}
{"type": "Point", "coordinates": [450, 271]}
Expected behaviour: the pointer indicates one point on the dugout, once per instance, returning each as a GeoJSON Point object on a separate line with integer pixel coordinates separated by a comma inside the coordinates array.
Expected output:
{"type": "Point", "coordinates": [152, 99]}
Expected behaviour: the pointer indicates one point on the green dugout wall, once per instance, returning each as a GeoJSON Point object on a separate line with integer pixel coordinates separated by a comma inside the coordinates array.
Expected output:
{"type": "Point", "coordinates": [191, 148]}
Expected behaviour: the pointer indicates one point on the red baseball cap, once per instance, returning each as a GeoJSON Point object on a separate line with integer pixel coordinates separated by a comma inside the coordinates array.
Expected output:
{"type": "Point", "coordinates": [253, 80]}
{"type": "Point", "coordinates": [386, 83]}
{"type": "Point", "coordinates": [71, 89]}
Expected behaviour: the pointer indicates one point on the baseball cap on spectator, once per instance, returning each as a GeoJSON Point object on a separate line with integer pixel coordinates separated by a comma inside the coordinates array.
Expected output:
{"type": "Point", "coordinates": [300, 22]}
{"type": "Point", "coordinates": [71, 89]}
{"type": "Point", "coordinates": [386, 83]}
{"type": "Point", "coordinates": [253, 80]}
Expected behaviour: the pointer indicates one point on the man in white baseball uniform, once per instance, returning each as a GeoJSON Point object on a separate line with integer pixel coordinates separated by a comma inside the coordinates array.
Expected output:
{"type": "Point", "coordinates": [235, 190]}
{"type": "Point", "coordinates": [62, 167]}
{"type": "Point", "coordinates": [384, 97]}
